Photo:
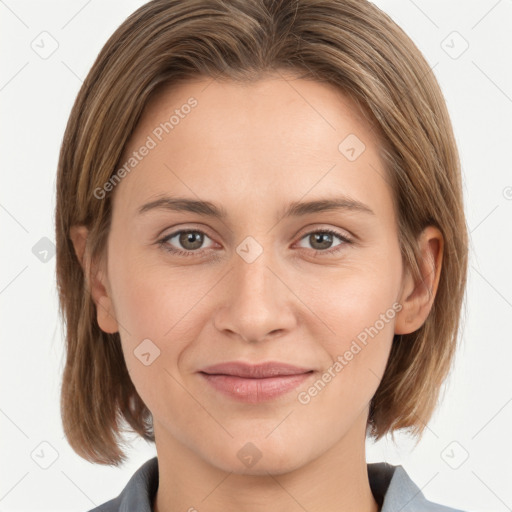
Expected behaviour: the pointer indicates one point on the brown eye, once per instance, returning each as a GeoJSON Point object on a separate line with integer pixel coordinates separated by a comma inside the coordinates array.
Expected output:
{"type": "Point", "coordinates": [184, 242]}
{"type": "Point", "coordinates": [322, 240]}
{"type": "Point", "coordinates": [191, 240]}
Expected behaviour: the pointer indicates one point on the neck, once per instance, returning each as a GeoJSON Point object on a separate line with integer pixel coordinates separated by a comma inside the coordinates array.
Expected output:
{"type": "Point", "coordinates": [337, 481]}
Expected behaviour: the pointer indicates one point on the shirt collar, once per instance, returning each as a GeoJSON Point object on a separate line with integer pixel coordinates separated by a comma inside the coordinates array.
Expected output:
{"type": "Point", "coordinates": [391, 486]}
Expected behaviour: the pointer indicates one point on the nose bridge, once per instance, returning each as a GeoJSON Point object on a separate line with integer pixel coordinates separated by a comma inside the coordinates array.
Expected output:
{"type": "Point", "coordinates": [255, 304]}
{"type": "Point", "coordinates": [254, 283]}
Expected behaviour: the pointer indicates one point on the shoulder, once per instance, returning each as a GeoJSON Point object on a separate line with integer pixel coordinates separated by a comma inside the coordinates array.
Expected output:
{"type": "Point", "coordinates": [394, 490]}
{"type": "Point", "coordinates": [139, 492]}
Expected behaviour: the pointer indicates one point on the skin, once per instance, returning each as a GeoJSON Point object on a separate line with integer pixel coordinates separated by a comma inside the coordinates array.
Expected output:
{"type": "Point", "coordinates": [253, 149]}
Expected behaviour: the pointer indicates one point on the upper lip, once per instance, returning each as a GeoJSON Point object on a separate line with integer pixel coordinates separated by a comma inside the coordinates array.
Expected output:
{"type": "Point", "coordinates": [254, 371]}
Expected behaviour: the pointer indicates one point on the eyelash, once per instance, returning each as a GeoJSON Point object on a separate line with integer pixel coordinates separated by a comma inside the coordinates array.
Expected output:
{"type": "Point", "coordinates": [163, 242]}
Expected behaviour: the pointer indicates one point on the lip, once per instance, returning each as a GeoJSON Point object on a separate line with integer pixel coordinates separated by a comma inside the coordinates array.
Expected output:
{"type": "Point", "coordinates": [255, 383]}
{"type": "Point", "coordinates": [255, 371]}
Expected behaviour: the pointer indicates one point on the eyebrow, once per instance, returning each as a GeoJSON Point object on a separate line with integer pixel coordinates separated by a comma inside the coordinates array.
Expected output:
{"type": "Point", "coordinates": [294, 209]}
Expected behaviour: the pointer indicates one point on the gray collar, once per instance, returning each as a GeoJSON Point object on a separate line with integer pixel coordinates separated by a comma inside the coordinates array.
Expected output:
{"type": "Point", "coordinates": [391, 486]}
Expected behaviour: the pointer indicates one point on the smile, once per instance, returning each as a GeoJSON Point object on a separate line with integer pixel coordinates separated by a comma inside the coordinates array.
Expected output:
{"type": "Point", "coordinates": [255, 383]}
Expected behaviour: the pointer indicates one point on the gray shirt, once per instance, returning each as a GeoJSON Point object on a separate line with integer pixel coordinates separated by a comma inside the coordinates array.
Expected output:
{"type": "Point", "coordinates": [391, 486]}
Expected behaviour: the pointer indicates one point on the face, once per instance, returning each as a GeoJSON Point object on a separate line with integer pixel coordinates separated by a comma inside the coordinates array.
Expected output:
{"type": "Point", "coordinates": [247, 279]}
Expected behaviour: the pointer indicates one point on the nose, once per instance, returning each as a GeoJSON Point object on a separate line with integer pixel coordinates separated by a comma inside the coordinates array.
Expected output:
{"type": "Point", "coordinates": [256, 301]}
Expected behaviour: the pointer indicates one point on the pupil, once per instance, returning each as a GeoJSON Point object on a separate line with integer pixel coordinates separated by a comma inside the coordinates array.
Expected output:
{"type": "Point", "coordinates": [320, 236]}
{"type": "Point", "coordinates": [188, 238]}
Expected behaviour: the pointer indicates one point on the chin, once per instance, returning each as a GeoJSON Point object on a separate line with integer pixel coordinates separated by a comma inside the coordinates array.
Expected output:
{"type": "Point", "coordinates": [259, 457]}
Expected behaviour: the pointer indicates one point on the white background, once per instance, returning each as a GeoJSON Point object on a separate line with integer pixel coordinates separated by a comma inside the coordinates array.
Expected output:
{"type": "Point", "coordinates": [36, 96]}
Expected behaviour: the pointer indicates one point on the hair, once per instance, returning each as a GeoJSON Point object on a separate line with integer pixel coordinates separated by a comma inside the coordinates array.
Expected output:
{"type": "Point", "coordinates": [348, 43]}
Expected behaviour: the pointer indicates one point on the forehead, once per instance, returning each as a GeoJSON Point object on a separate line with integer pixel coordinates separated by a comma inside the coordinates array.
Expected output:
{"type": "Point", "coordinates": [253, 138]}
{"type": "Point", "coordinates": [268, 104]}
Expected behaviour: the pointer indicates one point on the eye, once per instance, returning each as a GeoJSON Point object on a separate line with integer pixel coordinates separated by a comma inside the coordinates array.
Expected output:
{"type": "Point", "coordinates": [189, 239]}
{"type": "Point", "coordinates": [322, 240]}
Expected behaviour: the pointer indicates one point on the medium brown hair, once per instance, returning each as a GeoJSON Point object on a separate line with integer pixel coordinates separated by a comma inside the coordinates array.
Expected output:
{"type": "Point", "coordinates": [349, 43]}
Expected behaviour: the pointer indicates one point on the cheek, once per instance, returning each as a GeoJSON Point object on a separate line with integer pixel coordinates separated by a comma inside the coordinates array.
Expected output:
{"type": "Point", "coordinates": [157, 302]}
{"type": "Point", "coordinates": [353, 297]}
{"type": "Point", "coordinates": [158, 316]}
{"type": "Point", "coordinates": [364, 327]}
{"type": "Point", "coordinates": [358, 304]}
{"type": "Point", "coordinates": [357, 353]}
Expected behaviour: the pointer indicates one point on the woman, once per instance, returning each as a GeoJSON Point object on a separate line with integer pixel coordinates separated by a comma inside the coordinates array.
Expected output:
{"type": "Point", "coordinates": [261, 254]}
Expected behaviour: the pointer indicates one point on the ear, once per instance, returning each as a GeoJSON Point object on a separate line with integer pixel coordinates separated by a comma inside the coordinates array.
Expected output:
{"type": "Point", "coordinates": [96, 280]}
{"type": "Point", "coordinates": [418, 297]}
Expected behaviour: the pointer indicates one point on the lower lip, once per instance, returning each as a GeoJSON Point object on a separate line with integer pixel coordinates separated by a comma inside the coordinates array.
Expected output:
{"type": "Point", "coordinates": [255, 390]}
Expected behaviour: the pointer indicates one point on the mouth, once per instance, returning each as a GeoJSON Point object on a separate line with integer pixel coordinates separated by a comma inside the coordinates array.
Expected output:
{"type": "Point", "coordinates": [255, 383]}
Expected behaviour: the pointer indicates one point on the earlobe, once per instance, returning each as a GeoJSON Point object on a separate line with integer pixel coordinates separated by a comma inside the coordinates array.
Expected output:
{"type": "Point", "coordinates": [105, 315]}
{"type": "Point", "coordinates": [95, 281]}
{"type": "Point", "coordinates": [418, 296]}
